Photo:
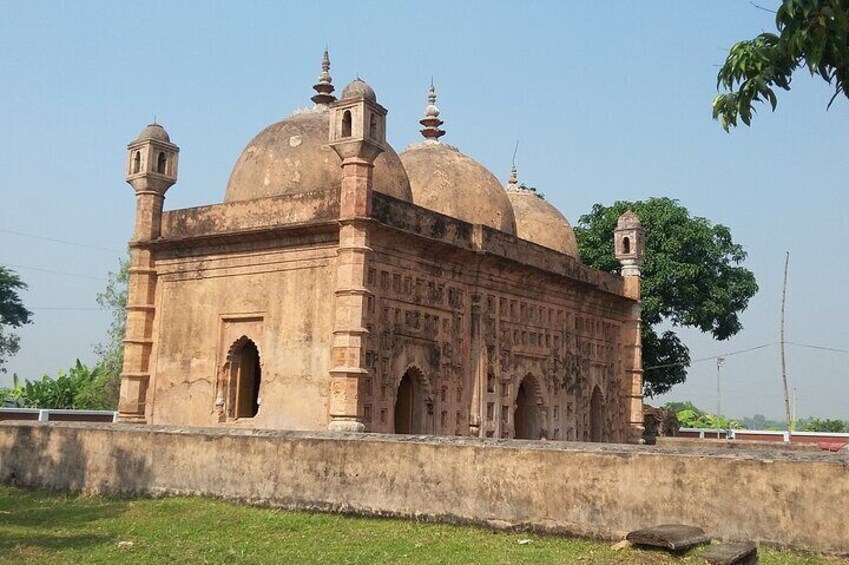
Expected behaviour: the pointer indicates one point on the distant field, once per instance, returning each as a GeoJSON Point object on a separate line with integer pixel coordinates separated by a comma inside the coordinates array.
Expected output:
{"type": "Point", "coordinates": [41, 527]}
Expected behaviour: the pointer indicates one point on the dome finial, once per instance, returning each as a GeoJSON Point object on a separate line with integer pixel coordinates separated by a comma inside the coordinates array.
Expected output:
{"type": "Point", "coordinates": [431, 121]}
{"type": "Point", "coordinates": [513, 181]}
{"type": "Point", "coordinates": [324, 87]}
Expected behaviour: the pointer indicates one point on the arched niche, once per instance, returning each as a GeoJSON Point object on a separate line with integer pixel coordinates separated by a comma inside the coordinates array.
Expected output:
{"type": "Point", "coordinates": [528, 408]}
{"type": "Point", "coordinates": [243, 380]}
{"type": "Point", "coordinates": [413, 408]}
{"type": "Point", "coordinates": [597, 431]}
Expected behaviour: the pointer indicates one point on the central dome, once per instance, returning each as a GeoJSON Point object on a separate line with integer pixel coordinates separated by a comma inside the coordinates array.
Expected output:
{"type": "Point", "coordinates": [293, 156]}
{"type": "Point", "coordinates": [448, 182]}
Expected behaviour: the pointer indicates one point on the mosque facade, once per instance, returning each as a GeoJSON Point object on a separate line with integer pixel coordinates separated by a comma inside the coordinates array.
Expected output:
{"type": "Point", "coordinates": [343, 286]}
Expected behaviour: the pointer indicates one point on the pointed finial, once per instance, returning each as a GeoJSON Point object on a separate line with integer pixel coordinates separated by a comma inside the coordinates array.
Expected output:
{"type": "Point", "coordinates": [513, 181]}
{"type": "Point", "coordinates": [324, 87]}
{"type": "Point", "coordinates": [431, 121]}
{"type": "Point", "coordinates": [154, 120]}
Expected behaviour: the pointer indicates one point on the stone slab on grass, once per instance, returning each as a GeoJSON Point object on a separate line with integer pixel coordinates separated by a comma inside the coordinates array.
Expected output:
{"type": "Point", "coordinates": [673, 537]}
{"type": "Point", "coordinates": [745, 553]}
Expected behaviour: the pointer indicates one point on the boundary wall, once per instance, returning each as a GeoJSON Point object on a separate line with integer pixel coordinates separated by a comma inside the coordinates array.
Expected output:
{"type": "Point", "coordinates": [764, 435]}
{"type": "Point", "coordinates": [57, 415]}
{"type": "Point", "coordinates": [785, 498]}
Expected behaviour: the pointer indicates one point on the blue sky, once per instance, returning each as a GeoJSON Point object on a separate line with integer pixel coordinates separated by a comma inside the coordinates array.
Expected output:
{"type": "Point", "coordinates": [610, 100]}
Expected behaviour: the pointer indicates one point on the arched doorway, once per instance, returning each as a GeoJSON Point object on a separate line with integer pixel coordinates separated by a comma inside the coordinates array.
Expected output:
{"type": "Point", "coordinates": [248, 379]}
{"type": "Point", "coordinates": [411, 404]}
{"type": "Point", "coordinates": [526, 414]}
{"type": "Point", "coordinates": [597, 416]}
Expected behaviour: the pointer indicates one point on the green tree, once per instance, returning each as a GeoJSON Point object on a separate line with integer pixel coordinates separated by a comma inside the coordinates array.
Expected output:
{"type": "Point", "coordinates": [13, 397]}
{"type": "Point", "coordinates": [691, 416]}
{"type": "Point", "coordinates": [692, 277]}
{"type": "Point", "coordinates": [12, 314]}
{"type": "Point", "coordinates": [111, 353]}
{"type": "Point", "coordinates": [686, 405]}
{"type": "Point", "coordinates": [760, 422]}
{"type": "Point", "coordinates": [81, 388]}
{"type": "Point", "coordinates": [811, 33]}
{"type": "Point", "coordinates": [818, 425]}
{"type": "Point", "coordinates": [689, 419]}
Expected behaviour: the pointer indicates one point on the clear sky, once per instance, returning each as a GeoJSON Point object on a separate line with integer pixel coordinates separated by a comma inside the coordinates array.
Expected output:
{"type": "Point", "coordinates": [611, 100]}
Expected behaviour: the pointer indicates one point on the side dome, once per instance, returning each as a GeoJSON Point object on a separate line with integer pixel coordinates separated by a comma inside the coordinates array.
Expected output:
{"type": "Point", "coordinates": [293, 156]}
{"type": "Point", "coordinates": [539, 222]}
{"type": "Point", "coordinates": [446, 181]}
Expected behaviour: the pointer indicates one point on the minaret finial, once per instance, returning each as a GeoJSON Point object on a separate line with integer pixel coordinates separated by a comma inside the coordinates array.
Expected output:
{"type": "Point", "coordinates": [431, 121]}
{"type": "Point", "coordinates": [324, 87]}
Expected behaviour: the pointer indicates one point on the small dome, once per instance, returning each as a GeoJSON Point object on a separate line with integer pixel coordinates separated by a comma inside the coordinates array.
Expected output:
{"type": "Point", "coordinates": [539, 222]}
{"type": "Point", "coordinates": [293, 156]}
{"type": "Point", "coordinates": [358, 88]}
{"type": "Point", "coordinates": [628, 220]}
{"type": "Point", "coordinates": [446, 181]}
{"type": "Point", "coordinates": [154, 131]}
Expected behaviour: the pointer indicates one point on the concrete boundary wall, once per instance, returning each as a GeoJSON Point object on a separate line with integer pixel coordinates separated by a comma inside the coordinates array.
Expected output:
{"type": "Point", "coordinates": [792, 498]}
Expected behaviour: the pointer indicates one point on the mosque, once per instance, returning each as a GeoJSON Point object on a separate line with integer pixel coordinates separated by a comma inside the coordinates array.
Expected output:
{"type": "Point", "coordinates": [343, 286]}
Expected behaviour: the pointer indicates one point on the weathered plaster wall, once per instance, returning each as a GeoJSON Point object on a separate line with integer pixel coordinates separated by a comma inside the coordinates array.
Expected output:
{"type": "Point", "coordinates": [797, 499]}
{"type": "Point", "coordinates": [213, 220]}
{"type": "Point", "coordinates": [276, 297]}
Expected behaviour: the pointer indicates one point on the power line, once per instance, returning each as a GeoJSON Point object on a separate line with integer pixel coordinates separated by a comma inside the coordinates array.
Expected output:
{"type": "Point", "coordinates": [713, 358]}
{"type": "Point", "coordinates": [63, 308]}
{"type": "Point", "coordinates": [835, 349]}
{"type": "Point", "coordinates": [63, 241]}
{"type": "Point", "coordinates": [52, 272]}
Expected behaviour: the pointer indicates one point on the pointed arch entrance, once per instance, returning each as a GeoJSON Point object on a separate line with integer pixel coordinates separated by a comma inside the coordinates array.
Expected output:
{"type": "Point", "coordinates": [411, 403]}
{"type": "Point", "coordinates": [597, 416]}
{"type": "Point", "coordinates": [245, 378]}
{"type": "Point", "coordinates": [526, 415]}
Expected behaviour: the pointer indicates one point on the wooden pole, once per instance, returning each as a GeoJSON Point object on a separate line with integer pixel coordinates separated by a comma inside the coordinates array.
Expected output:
{"type": "Point", "coordinates": [790, 423]}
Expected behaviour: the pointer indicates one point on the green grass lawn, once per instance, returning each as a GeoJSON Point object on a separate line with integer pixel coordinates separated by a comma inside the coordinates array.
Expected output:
{"type": "Point", "coordinates": [44, 527]}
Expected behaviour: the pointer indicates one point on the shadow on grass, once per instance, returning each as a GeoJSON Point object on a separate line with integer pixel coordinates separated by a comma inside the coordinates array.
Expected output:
{"type": "Point", "coordinates": [26, 542]}
{"type": "Point", "coordinates": [26, 509]}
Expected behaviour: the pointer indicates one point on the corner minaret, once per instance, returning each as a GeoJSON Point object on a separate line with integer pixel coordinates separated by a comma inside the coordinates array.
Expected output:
{"type": "Point", "coordinates": [629, 247]}
{"type": "Point", "coordinates": [151, 171]}
{"type": "Point", "coordinates": [629, 244]}
{"type": "Point", "coordinates": [358, 136]}
{"type": "Point", "coordinates": [324, 87]}
{"type": "Point", "coordinates": [431, 121]}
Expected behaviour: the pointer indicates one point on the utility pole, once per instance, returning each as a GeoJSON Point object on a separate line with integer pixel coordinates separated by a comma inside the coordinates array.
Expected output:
{"type": "Point", "coordinates": [795, 406]}
{"type": "Point", "coordinates": [790, 422]}
{"type": "Point", "coordinates": [720, 361]}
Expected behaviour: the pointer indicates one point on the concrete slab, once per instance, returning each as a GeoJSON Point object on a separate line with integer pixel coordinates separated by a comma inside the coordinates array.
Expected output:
{"type": "Point", "coordinates": [745, 553]}
{"type": "Point", "coordinates": [673, 537]}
